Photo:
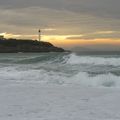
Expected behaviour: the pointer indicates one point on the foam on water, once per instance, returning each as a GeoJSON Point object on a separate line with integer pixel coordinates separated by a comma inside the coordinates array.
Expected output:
{"type": "Point", "coordinates": [94, 60]}
{"type": "Point", "coordinates": [61, 69]}
{"type": "Point", "coordinates": [48, 78]}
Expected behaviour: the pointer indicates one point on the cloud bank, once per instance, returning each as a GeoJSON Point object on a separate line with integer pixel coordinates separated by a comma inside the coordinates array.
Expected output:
{"type": "Point", "coordinates": [61, 17]}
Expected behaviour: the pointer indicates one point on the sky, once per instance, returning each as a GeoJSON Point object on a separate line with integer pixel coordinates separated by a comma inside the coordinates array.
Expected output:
{"type": "Point", "coordinates": [65, 23]}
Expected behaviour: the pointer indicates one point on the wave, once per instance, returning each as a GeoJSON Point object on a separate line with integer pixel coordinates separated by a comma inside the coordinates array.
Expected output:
{"type": "Point", "coordinates": [61, 69]}
{"type": "Point", "coordinates": [33, 58]}
{"type": "Point", "coordinates": [93, 60]}
{"type": "Point", "coordinates": [58, 78]}
{"type": "Point", "coordinates": [72, 59]}
{"type": "Point", "coordinates": [105, 80]}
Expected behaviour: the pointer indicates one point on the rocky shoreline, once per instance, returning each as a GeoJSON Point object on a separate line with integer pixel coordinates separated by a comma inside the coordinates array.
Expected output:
{"type": "Point", "coordinates": [19, 45]}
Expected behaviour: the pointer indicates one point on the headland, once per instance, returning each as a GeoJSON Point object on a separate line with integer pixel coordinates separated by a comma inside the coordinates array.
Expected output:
{"type": "Point", "coordinates": [20, 45]}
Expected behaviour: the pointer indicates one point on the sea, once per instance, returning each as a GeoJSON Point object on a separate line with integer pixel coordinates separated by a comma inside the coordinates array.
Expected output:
{"type": "Point", "coordinates": [60, 69]}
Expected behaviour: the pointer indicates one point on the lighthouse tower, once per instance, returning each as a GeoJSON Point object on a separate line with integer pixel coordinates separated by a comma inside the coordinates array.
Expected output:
{"type": "Point", "coordinates": [39, 35]}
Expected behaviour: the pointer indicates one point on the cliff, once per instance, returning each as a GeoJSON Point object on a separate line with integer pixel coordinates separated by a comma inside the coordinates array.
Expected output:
{"type": "Point", "coordinates": [14, 46]}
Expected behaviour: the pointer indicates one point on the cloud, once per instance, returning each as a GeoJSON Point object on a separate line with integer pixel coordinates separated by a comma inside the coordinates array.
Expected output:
{"type": "Point", "coordinates": [103, 8]}
{"type": "Point", "coordinates": [97, 35]}
{"type": "Point", "coordinates": [2, 34]}
{"type": "Point", "coordinates": [61, 17]}
{"type": "Point", "coordinates": [14, 4]}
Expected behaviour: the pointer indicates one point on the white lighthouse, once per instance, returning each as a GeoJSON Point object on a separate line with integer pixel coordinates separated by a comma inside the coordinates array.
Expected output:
{"type": "Point", "coordinates": [39, 35]}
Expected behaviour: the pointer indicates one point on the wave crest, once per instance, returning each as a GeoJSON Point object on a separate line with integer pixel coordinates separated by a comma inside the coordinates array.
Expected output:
{"type": "Point", "coordinates": [93, 60]}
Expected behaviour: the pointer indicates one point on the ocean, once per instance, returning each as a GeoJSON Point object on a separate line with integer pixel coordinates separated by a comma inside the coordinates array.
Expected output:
{"type": "Point", "coordinates": [59, 86]}
{"type": "Point", "coordinates": [71, 69]}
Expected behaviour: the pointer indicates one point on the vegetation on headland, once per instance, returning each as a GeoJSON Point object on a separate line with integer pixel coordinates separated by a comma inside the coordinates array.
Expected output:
{"type": "Point", "coordinates": [19, 45]}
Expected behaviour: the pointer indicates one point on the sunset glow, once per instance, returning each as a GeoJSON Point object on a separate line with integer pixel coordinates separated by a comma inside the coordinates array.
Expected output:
{"type": "Point", "coordinates": [80, 24]}
{"type": "Point", "coordinates": [64, 41]}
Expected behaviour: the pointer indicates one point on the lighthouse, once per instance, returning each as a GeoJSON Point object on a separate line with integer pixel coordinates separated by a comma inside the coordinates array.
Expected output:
{"type": "Point", "coordinates": [39, 35]}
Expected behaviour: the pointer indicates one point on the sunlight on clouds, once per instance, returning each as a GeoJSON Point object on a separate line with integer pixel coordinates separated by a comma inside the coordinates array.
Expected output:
{"type": "Point", "coordinates": [97, 35]}
{"type": "Point", "coordinates": [2, 34]}
{"type": "Point", "coordinates": [58, 37]}
{"type": "Point", "coordinates": [48, 29]}
{"type": "Point", "coordinates": [68, 43]}
{"type": "Point", "coordinates": [9, 35]}
{"type": "Point", "coordinates": [43, 37]}
{"type": "Point", "coordinates": [64, 41]}
{"type": "Point", "coordinates": [105, 32]}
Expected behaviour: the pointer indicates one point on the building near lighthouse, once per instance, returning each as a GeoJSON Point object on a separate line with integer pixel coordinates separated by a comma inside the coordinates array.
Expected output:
{"type": "Point", "coordinates": [1, 37]}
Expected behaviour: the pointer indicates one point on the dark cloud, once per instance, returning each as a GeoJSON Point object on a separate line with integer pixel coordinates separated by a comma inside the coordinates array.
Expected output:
{"type": "Point", "coordinates": [13, 4]}
{"type": "Point", "coordinates": [65, 16]}
{"type": "Point", "coordinates": [105, 8]}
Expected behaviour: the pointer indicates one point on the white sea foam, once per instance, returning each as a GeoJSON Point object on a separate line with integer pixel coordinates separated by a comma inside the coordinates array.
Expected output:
{"type": "Point", "coordinates": [105, 80]}
{"type": "Point", "coordinates": [12, 75]}
{"type": "Point", "coordinates": [59, 87]}
{"type": "Point", "coordinates": [64, 70]}
{"type": "Point", "coordinates": [93, 60]}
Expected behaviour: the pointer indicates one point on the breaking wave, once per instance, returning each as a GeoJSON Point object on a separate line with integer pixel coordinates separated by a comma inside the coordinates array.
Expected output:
{"type": "Point", "coordinates": [94, 60]}
{"type": "Point", "coordinates": [60, 69]}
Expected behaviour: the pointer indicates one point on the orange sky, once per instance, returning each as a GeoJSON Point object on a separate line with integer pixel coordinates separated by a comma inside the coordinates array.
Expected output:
{"type": "Point", "coordinates": [64, 41]}
{"type": "Point", "coordinates": [72, 43]}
